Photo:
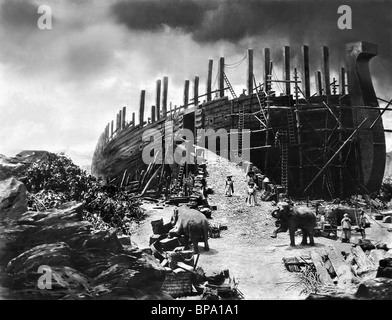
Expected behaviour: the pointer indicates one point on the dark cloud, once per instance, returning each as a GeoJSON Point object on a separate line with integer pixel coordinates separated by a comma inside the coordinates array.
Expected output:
{"type": "Point", "coordinates": [275, 22]}
{"type": "Point", "coordinates": [18, 14]}
{"type": "Point", "coordinates": [154, 14]}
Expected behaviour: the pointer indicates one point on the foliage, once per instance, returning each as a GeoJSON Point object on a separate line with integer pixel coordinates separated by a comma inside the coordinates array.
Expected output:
{"type": "Point", "coordinates": [55, 180]}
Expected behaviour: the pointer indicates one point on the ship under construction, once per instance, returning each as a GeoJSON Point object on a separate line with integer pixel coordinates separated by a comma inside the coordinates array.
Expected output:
{"type": "Point", "coordinates": [329, 143]}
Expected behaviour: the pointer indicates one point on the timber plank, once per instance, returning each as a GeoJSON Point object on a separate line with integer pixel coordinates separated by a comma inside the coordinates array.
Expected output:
{"type": "Point", "coordinates": [321, 271]}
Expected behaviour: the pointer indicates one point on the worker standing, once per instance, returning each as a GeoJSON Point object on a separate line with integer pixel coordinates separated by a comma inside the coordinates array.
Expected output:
{"type": "Point", "coordinates": [251, 194]}
{"type": "Point", "coordinates": [346, 228]}
{"type": "Point", "coordinates": [229, 187]}
{"type": "Point", "coordinates": [362, 223]}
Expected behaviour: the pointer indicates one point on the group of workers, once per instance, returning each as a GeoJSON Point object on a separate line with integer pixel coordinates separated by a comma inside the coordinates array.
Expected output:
{"type": "Point", "coordinates": [255, 181]}
{"type": "Point", "coordinates": [346, 226]}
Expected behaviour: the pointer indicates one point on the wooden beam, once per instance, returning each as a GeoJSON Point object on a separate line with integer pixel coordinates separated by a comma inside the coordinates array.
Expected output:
{"type": "Point", "coordinates": [196, 91]}
{"type": "Point", "coordinates": [319, 84]}
{"type": "Point", "coordinates": [321, 270]}
{"type": "Point", "coordinates": [120, 117]}
{"type": "Point", "coordinates": [342, 81]}
{"type": "Point", "coordinates": [249, 74]}
{"type": "Point", "coordinates": [221, 78]}
{"type": "Point", "coordinates": [186, 94]}
{"type": "Point", "coordinates": [209, 80]}
{"type": "Point", "coordinates": [266, 67]}
{"type": "Point", "coordinates": [305, 71]}
{"type": "Point", "coordinates": [112, 128]}
{"type": "Point", "coordinates": [286, 69]}
{"type": "Point", "coordinates": [158, 99]}
{"type": "Point", "coordinates": [152, 114]}
{"type": "Point", "coordinates": [325, 69]}
{"type": "Point", "coordinates": [133, 119]}
{"type": "Point", "coordinates": [117, 122]}
{"type": "Point", "coordinates": [334, 156]}
{"type": "Point", "coordinates": [124, 113]}
{"type": "Point", "coordinates": [164, 98]}
{"type": "Point", "coordinates": [141, 107]}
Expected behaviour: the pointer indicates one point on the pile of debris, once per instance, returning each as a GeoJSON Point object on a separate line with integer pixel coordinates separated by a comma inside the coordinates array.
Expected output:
{"type": "Point", "coordinates": [183, 276]}
{"type": "Point", "coordinates": [349, 271]}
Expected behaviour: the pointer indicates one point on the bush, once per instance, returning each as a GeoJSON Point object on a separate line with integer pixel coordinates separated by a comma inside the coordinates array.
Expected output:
{"type": "Point", "coordinates": [55, 180]}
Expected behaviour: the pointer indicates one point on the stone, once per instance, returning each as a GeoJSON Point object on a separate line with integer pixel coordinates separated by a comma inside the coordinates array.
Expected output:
{"type": "Point", "coordinates": [103, 240]}
{"type": "Point", "coordinates": [71, 211]}
{"type": "Point", "coordinates": [387, 219]}
{"type": "Point", "coordinates": [13, 199]}
{"type": "Point", "coordinates": [55, 254]}
{"type": "Point", "coordinates": [9, 167]}
{"type": "Point", "coordinates": [375, 289]}
{"type": "Point", "coordinates": [145, 273]}
{"type": "Point", "coordinates": [125, 240]}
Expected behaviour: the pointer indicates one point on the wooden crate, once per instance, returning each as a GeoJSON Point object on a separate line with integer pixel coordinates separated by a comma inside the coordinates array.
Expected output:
{"type": "Point", "coordinates": [178, 284]}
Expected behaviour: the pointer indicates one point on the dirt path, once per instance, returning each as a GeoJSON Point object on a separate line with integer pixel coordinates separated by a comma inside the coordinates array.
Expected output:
{"type": "Point", "coordinates": [246, 248]}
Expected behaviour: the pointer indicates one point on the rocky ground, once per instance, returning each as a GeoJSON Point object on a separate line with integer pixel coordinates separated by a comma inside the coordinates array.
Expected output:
{"type": "Point", "coordinates": [246, 248]}
{"type": "Point", "coordinates": [87, 264]}
{"type": "Point", "coordinates": [82, 263]}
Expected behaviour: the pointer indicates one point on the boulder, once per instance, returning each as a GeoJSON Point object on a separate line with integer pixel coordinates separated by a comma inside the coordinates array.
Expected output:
{"type": "Point", "coordinates": [9, 167]}
{"type": "Point", "coordinates": [103, 240]}
{"type": "Point", "coordinates": [15, 166]}
{"type": "Point", "coordinates": [144, 273]}
{"type": "Point", "coordinates": [55, 254]}
{"type": "Point", "coordinates": [375, 289]}
{"type": "Point", "coordinates": [387, 219]}
{"type": "Point", "coordinates": [13, 199]}
{"type": "Point", "coordinates": [71, 211]}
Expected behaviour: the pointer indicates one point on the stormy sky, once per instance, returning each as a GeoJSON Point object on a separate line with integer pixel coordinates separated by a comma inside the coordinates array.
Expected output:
{"type": "Point", "coordinates": [60, 87]}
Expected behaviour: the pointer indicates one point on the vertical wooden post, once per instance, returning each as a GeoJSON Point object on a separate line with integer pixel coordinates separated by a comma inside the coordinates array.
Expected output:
{"type": "Point", "coordinates": [112, 128]}
{"type": "Point", "coordinates": [119, 119]}
{"type": "Point", "coordinates": [249, 74]}
{"type": "Point", "coordinates": [325, 69]}
{"type": "Point", "coordinates": [305, 71]}
{"type": "Point", "coordinates": [286, 69]}
{"type": "Point", "coordinates": [164, 98]}
{"type": "Point", "coordinates": [221, 77]}
{"type": "Point", "coordinates": [209, 80]}
{"type": "Point", "coordinates": [158, 99]}
{"type": "Point", "coordinates": [133, 119]}
{"type": "Point", "coordinates": [186, 94]}
{"type": "Point", "coordinates": [117, 123]}
{"type": "Point", "coordinates": [266, 68]}
{"type": "Point", "coordinates": [196, 91]}
{"type": "Point", "coordinates": [319, 85]}
{"type": "Point", "coordinates": [152, 114]}
{"type": "Point", "coordinates": [124, 113]}
{"type": "Point", "coordinates": [342, 81]}
{"type": "Point", "coordinates": [141, 107]}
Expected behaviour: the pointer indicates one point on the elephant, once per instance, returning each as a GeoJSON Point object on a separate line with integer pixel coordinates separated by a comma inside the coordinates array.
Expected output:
{"type": "Point", "coordinates": [191, 223]}
{"type": "Point", "coordinates": [293, 217]}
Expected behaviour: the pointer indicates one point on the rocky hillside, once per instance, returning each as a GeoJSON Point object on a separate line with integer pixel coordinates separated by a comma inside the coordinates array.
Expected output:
{"type": "Point", "coordinates": [55, 253]}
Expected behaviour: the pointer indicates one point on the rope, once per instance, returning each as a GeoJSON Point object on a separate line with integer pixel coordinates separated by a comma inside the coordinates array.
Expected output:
{"type": "Point", "coordinates": [236, 64]}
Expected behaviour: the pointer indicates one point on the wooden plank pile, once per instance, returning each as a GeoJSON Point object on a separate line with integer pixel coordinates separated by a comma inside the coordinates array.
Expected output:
{"type": "Point", "coordinates": [346, 269]}
{"type": "Point", "coordinates": [183, 276]}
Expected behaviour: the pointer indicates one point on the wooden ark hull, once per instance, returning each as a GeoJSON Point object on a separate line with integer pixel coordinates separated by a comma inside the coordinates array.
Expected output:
{"type": "Point", "coordinates": [324, 146]}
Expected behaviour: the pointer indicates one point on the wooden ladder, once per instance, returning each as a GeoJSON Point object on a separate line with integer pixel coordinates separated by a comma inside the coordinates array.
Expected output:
{"type": "Point", "coordinates": [240, 115]}
{"type": "Point", "coordinates": [284, 163]}
{"type": "Point", "coordinates": [229, 85]}
{"type": "Point", "coordinates": [181, 174]}
{"type": "Point", "coordinates": [290, 120]}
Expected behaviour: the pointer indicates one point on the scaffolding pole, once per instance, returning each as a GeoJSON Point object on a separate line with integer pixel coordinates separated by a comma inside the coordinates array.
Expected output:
{"type": "Point", "coordinates": [334, 156]}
